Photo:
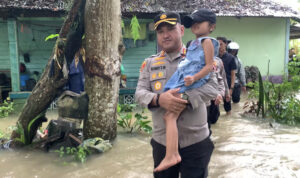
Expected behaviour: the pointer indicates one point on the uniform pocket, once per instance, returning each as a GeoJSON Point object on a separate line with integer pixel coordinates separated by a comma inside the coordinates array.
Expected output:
{"type": "Point", "coordinates": [158, 80]}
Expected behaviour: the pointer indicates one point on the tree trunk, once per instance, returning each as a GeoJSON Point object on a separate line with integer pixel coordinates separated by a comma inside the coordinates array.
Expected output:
{"type": "Point", "coordinates": [102, 67]}
{"type": "Point", "coordinates": [49, 86]}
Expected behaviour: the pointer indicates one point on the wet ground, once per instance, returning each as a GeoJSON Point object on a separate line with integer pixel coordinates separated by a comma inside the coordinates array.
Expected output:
{"type": "Point", "coordinates": [244, 147]}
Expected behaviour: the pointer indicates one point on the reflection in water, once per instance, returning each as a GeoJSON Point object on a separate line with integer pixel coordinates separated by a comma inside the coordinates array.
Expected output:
{"type": "Point", "coordinates": [243, 148]}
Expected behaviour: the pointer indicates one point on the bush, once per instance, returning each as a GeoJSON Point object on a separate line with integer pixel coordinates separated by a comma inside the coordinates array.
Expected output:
{"type": "Point", "coordinates": [133, 124]}
{"type": "Point", "coordinates": [277, 101]}
{"type": "Point", "coordinates": [6, 108]}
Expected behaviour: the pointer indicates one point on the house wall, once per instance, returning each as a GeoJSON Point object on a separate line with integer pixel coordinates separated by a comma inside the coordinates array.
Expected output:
{"type": "Point", "coordinates": [260, 39]}
{"type": "Point", "coordinates": [136, 53]}
{"type": "Point", "coordinates": [4, 48]}
{"type": "Point", "coordinates": [31, 39]}
{"type": "Point", "coordinates": [31, 34]}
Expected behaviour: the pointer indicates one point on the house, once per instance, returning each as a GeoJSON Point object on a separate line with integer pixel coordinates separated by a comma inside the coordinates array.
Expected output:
{"type": "Point", "coordinates": [261, 27]}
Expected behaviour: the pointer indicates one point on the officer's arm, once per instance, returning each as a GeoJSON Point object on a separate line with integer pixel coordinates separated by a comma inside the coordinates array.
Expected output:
{"type": "Point", "coordinates": [223, 73]}
{"type": "Point", "coordinates": [143, 94]}
{"type": "Point", "coordinates": [221, 82]}
{"type": "Point", "coordinates": [232, 73]}
{"type": "Point", "coordinates": [242, 75]}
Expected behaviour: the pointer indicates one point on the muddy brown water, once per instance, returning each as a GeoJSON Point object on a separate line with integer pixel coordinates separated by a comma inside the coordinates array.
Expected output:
{"type": "Point", "coordinates": [244, 147]}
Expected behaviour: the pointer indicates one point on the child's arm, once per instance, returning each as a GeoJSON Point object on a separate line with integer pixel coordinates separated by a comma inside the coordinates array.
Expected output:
{"type": "Point", "coordinates": [208, 49]}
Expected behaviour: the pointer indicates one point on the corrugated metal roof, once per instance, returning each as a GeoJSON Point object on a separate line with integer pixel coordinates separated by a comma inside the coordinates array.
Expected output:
{"type": "Point", "coordinates": [53, 5]}
{"type": "Point", "coordinates": [220, 7]}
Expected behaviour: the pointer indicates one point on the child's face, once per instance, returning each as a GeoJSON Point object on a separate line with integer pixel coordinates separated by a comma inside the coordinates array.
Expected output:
{"type": "Point", "coordinates": [202, 28]}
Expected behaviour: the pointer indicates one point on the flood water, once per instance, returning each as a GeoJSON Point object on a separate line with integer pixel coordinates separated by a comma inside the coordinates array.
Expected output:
{"type": "Point", "coordinates": [244, 147]}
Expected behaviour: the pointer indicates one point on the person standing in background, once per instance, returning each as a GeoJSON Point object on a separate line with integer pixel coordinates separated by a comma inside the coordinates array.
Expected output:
{"type": "Point", "coordinates": [240, 80]}
{"type": "Point", "coordinates": [230, 69]}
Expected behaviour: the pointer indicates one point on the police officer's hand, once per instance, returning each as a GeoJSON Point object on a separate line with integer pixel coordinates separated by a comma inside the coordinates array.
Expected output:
{"type": "Point", "coordinates": [189, 80]}
{"type": "Point", "coordinates": [230, 91]}
{"type": "Point", "coordinates": [218, 99]}
{"type": "Point", "coordinates": [171, 101]}
{"type": "Point", "coordinates": [228, 98]}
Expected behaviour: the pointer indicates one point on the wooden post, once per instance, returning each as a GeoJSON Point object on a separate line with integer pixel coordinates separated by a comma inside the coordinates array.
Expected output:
{"type": "Point", "coordinates": [13, 54]}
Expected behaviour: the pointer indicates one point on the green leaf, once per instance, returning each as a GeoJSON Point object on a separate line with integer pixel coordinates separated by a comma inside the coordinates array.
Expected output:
{"type": "Point", "coordinates": [51, 37]}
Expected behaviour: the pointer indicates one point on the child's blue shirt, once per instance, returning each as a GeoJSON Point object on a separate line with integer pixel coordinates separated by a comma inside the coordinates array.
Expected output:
{"type": "Point", "coordinates": [192, 64]}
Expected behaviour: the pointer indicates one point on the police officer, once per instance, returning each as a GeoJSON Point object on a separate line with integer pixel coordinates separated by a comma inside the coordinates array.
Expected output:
{"type": "Point", "coordinates": [195, 146]}
{"type": "Point", "coordinates": [230, 68]}
{"type": "Point", "coordinates": [240, 80]}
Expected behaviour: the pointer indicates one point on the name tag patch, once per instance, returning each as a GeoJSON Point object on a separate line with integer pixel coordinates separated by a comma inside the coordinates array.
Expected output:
{"type": "Point", "coordinates": [158, 68]}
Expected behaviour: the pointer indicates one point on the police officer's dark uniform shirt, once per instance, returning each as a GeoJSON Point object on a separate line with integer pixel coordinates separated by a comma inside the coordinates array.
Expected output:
{"type": "Point", "coordinates": [229, 65]}
{"type": "Point", "coordinates": [155, 72]}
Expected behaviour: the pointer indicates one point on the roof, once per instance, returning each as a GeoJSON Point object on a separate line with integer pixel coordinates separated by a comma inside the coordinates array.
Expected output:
{"type": "Point", "coordinates": [52, 5]}
{"type": "Point", "coordinates": [241, 8]}
{"type": "Point", "coordinates": [295, 32]}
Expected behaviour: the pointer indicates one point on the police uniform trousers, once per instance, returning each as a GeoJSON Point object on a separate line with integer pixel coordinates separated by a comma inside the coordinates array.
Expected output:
{"type": "Point", "coordinates": [227, 105]}
{"type": "Point", "coordinates": [236, 93]}
{"type": "Point", "coordinates": [194, 164]}
{"type": "Point", "coordinates": [213, 114]}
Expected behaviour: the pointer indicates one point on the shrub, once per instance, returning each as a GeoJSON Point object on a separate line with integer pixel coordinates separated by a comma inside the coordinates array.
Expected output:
{"type": "Point", "coordinates": [277, 100]}
{"type": "Point", "coordinates": [132, 124]}
{"type": "Point", "coordinates": [6, 108]}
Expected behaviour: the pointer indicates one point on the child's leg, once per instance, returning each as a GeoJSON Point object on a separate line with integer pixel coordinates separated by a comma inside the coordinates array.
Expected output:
{"type": "Point", "coordinates": [172, 155]}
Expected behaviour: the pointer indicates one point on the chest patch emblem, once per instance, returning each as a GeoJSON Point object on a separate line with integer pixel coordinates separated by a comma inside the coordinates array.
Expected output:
{"type": "Point", "coordinates": [160, 74]}
{"type": "Point", "coordinates": [154, 76]}
{"type": "Point", "coordinates": [157, 85]}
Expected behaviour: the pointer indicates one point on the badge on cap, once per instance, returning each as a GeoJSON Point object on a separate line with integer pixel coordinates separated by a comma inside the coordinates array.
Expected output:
{"type": "Point", "coordinates": [157, 85]}
{"type": "Point", "coordinates": [163, 16]}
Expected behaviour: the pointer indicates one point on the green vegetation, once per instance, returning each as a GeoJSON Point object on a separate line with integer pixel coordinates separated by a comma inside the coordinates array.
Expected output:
{"type": "Point", "coordinates": [7, 132]}
{"type": "Point", "coordinates": [278, 101]}
{"type": "Point", "coordinates": [2, 134]}
{"type": "Point", "coordinates": [20, 131]}
{"type": "Point", "coordinates": [52, 36]}
{"type": "Point", "coordinates": [133, 124]}
{"type": "Point", "coordinates": [6, 108]}
{"type": "Point", "coordinates": [135, 28]}
{"type": "Point", "coordinates": [294, 68]}
{"type": "Point", "coordinates": [78, 154]}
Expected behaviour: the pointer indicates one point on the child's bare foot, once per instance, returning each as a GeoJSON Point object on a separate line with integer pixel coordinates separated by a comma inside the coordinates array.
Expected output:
{"type": "Point", "coordinates": [168, 162]}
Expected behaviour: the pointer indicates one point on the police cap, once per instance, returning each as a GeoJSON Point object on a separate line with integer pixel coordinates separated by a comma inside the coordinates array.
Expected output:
{"type": "Point", "coordinates": [166, 17]}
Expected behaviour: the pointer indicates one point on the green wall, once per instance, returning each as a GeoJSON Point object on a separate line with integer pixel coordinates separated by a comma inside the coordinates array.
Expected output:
{"type": "Point", "coordinates": [134, 57]}
{"type": "Point", "coordinates": [4, 48]}
{"type": "Point", "coordinates": [260, 39]}
{"type": "Point", "coordinates": [31, 33]}
{"type": "Point", "coordinates": [31, 38]}
{"type": "Point", "coordinates": [136, 53]}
